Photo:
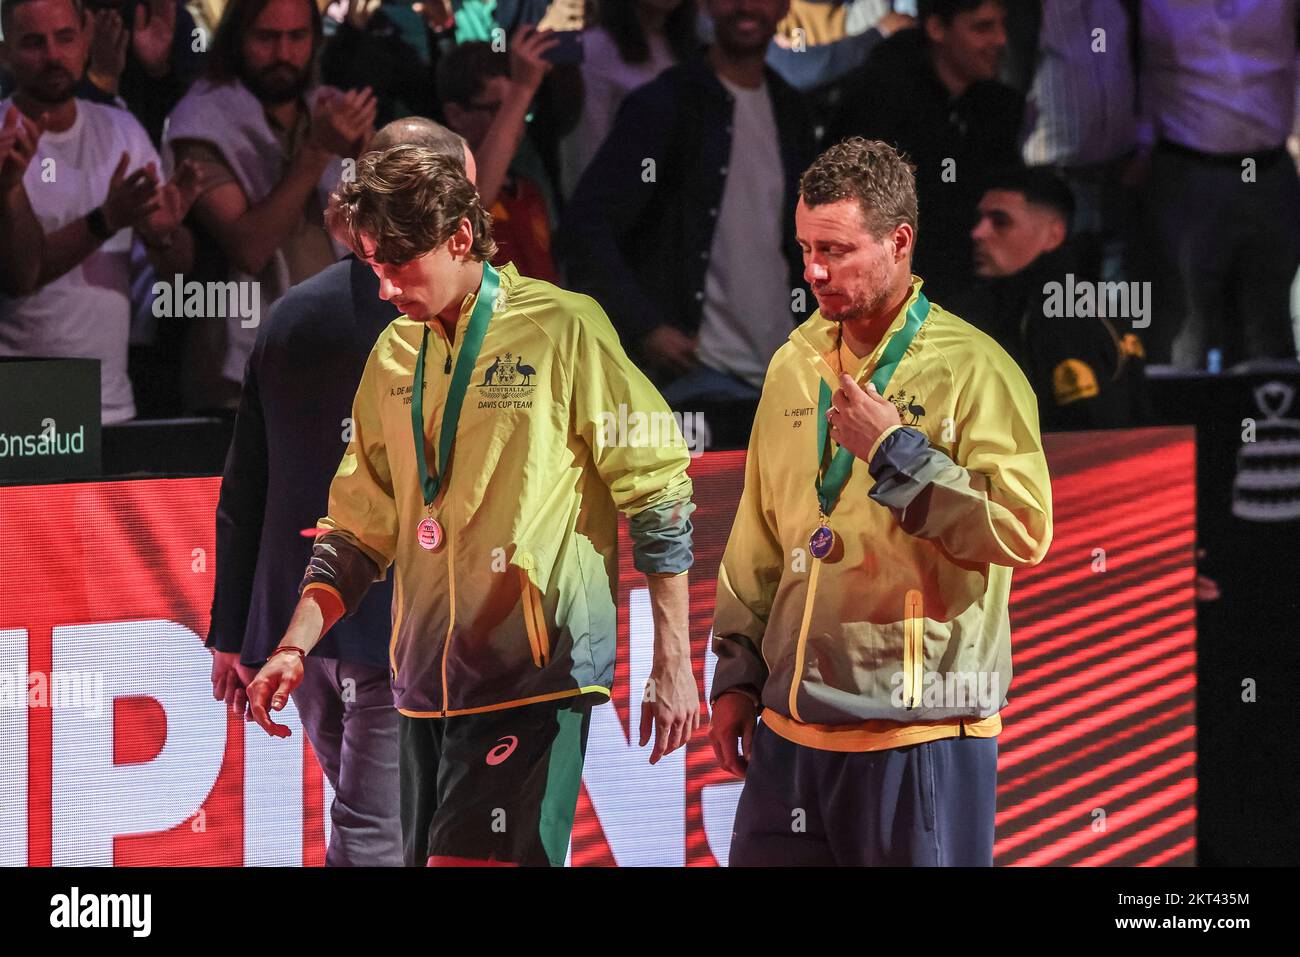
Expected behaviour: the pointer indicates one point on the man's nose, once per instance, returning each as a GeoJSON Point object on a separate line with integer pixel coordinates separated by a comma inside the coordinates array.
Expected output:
{"type": "Point", "coordinates": [387, 290]}
{"type": "Point", "coordinates": [816, 272]}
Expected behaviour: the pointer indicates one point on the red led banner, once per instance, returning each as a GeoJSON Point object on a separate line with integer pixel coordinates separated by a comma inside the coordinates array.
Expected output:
{"type": "Point", "coordinates": [112, 750]}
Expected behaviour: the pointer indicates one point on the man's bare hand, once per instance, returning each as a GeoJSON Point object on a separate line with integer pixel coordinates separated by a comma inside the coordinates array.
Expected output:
{"type": "Point", "coordinates": [269, 691]}
{"type": "Point", "coordinates": [893, 22]}
{"type": "Point", "coordinates": [108, 43]}
{"type": "Point", "coordinates": [131, 199]}
{"type": "Point", "coordinates": [528, 63]}
{"type": "Point", "coordinates": [438, 14]}
{"type": "Point", "coordinates": [670, 349]}
{"type": "Point", "coordinates": [341, 122]}
{"type": "Point", "coordinates": [224, 675]}
{"type": "Point", "coordinates": [18, 136]}
{"type": "Point", "coordinates": [857, 417]}
{"type": "Point", "coordinates": [360, 12]}
{"type": "Point", "coordinates": [230, 681]}
{"type": "Point", "coordinates": [175, 198]}
{"type": "Point", "coordinates": [671, 705]}
{"type": "Point", "coordinates": [152, 35]}
{"type": "Point", "coordinates": [731, 731]}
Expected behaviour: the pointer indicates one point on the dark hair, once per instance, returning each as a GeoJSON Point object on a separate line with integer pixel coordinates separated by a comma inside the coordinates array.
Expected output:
{"type": "Point", "coordinates": [409, 200]}
{"type": "Point", "coordinates": [226, 54]}
{"type": "Point", "coordinates": [465, 69]}
{"type": "Point", "coordinates": [947, 9]}
{"type": "Point", "coordinates": [7, 8]}
{"type": "Point", "coordinates": [871, 171]}
{"type": "Point", "coordinates": [618, 17]}
{"type": "Point", "coordinates": [1040, 185]}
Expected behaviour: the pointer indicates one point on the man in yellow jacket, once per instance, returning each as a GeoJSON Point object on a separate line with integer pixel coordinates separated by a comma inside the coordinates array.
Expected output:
{"type": "Point", "coordinates": [483, 467]}
{"type": "Point", "coordinates": [895, 477]}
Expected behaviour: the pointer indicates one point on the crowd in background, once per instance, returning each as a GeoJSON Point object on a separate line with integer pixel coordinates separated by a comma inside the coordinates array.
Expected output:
{"type": "Point", "coordinates": [1103, 184]}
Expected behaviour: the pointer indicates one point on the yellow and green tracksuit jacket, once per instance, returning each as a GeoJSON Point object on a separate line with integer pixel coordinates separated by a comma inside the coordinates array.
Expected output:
{"type": "Point", "coordinates": [518, 605]}
{"type": "Point", "coordinates": [858, 652]}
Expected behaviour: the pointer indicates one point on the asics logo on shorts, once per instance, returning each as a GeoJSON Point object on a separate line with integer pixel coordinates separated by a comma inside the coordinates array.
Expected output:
{"type": "Point", "coordinates": [502, 751]}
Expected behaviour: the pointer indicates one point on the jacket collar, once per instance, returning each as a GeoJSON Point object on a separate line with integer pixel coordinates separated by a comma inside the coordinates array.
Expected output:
{"type": "Point", "coordinates": [507, 277]}
{"type": "Point", "coordinates": [817, 337]}
{"type": "Point", "coordinates": [701, 70]}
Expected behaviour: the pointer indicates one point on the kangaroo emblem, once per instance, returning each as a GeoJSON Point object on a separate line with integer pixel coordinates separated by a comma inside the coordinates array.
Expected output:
{"type": "Point", "coordinates": [492, 371]}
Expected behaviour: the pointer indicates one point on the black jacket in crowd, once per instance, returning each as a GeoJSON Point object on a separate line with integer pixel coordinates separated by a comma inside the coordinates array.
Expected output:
{"type": "Point", "coordinates": [897, 97]}
{"type": "Point", "coordinates": [640, 245]}
{"type": "Point", "coordinates": [1086, 371]}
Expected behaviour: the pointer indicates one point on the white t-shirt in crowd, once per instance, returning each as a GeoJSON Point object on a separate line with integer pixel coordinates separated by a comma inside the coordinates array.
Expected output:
{"type": "Point", "coordinates": [86, 312]}
{"type": "Point", "coordinates": [747, 314]}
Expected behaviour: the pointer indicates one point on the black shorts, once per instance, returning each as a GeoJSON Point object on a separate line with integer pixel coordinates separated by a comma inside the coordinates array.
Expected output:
{"type": "Point", "coordinates": [501, 786]}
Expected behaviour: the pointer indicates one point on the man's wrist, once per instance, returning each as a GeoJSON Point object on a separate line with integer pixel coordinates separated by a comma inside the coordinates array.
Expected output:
{"type": "Point", "coordinates": [880, 440]}
{"type": "Point", "coordinates": [314, 154]}
{"type": "Point", "coordinates": [159, 69]}
{"type": "Point", "coordinates": [97, 223]}
{"type": "Point", "coordinates": [745, 690]}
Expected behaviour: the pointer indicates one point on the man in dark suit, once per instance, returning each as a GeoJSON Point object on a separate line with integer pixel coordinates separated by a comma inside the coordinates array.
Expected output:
{"type": "Point", "coordinates": [292, 427]}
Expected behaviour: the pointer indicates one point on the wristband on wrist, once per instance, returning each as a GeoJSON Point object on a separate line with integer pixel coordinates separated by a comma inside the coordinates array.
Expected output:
{"type": "Point", "coordinates": [98, 225]}
{"type": "Point", "coordinates": [297, 651]}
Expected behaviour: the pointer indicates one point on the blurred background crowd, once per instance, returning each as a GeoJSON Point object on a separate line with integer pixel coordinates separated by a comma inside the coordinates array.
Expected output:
{"type": "Point", "coordinates": [1106, 186]}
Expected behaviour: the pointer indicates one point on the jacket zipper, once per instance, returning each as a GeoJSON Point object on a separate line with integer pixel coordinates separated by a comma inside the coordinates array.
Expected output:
{"type": "Point", "coordinates": [797, 679]}
{"type": "Point", "coordinates": [534, 620]}
{"type": "Point", "coordinates": [451, 562]}
{"type": "Point", "coordinates": [913, 646]}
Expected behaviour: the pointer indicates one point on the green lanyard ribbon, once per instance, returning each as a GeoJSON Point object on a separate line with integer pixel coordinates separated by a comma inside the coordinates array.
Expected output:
{"type": "Point", "coordinates": [837, 473]}
{"type": "Point", "coordinates": [465, 360]}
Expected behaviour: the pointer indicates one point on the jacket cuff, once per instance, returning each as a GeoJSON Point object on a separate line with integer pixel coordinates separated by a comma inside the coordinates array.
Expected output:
{"type": "Point", "coordinates": [880, 440]}
{"type": "Point", "coordinates": [328, 597]}
{"type": "Point", "coordinates": [346, 569]}
{"type": "Point", "coordinates": [740, 668]}
{"type": "Point", "coordinates": [903, 465]}
{"type": "Point", "coordinates": [661, 538]}
{"type": "Point", "coordinates": [746, 690]}
{"type": "Point", "coordinates": [218, 641]}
